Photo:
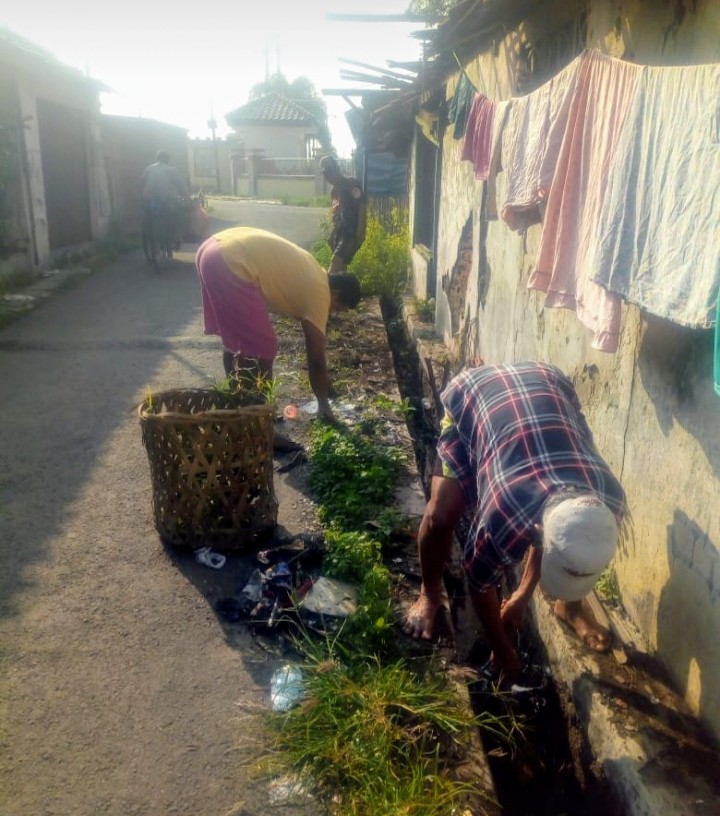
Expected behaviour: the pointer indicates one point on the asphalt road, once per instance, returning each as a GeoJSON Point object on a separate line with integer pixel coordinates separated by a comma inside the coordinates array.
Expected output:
{"type": "Point", "coordinates": [121, 691]}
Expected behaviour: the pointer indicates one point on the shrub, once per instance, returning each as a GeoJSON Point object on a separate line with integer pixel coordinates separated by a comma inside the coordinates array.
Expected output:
{"type": "Point", "coordinates": [381, 263]}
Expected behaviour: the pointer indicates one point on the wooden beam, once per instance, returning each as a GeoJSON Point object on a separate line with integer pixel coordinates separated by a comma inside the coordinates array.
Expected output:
{"type": "Point", "coordinates": [356, 92]}
{"type": "Point", "coordinates": [383, 71]}
{"type": "Point", "coordinates": [338, 17]}
{"type": "Point", "coordinates": [414, 67]}
{"type": "Point", "coordinates": [388, 82]}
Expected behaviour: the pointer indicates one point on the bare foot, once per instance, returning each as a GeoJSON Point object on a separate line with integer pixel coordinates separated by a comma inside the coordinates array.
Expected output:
{"type": "Point", "coordinates": [577, 615]}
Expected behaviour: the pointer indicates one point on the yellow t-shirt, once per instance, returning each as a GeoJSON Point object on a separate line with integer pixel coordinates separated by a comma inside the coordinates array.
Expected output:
{"type": "Point", "coordinates": [292, 282]}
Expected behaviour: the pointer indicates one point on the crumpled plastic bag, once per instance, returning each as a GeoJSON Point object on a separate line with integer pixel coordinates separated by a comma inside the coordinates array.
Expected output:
{"type": "Point", "coordinates": [286, 688]}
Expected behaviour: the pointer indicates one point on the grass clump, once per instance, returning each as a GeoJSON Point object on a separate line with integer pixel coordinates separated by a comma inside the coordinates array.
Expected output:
{"type": "Point", "coordinates": [304, 201]}
{"type": "Point", "coordinates": [249, 384]}
{"type": "Point", "coordinates": [374, 740]}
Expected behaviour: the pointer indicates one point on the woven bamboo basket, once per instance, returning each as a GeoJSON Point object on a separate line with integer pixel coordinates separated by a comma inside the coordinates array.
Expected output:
{"type": "Point", "coordinates": [211, 467]}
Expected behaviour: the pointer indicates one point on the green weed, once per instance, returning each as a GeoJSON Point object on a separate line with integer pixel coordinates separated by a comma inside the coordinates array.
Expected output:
{"type": "Point", "coordinates": [378, 739]}
{"type": "Point", "coordinates": [256, 387]}
{"type": "Point", "coordinates": [351, 478]}
{"type": "Point", "coordinates": [424, 308]}
{"type": "Point", "coordinates": [350, 555]}
{"type": "Point", "coordinates": [607, 585]}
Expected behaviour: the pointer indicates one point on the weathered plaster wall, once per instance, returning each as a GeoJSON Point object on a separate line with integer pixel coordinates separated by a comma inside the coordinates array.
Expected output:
{"type": "Point", "coordinates": [273, 186]}
{"type": "Point", "coordinates": [32, 86]}
{"type": "Point", "coordinates": [33, 167]}
{"type": "Point", "coordinates": [651, 405]}
{"type": "Point", "coordinates": [282, 142]}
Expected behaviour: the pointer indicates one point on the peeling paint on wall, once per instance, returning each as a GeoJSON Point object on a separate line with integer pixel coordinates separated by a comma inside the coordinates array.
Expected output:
{"type": "Point", "coordinates": [455, 282]}
{"type": "Point", "coordinates": [652, 405]}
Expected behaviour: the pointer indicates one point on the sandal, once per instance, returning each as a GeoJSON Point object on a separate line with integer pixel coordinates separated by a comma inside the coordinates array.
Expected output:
{"type": "Point", "coordinates": [209, 558]}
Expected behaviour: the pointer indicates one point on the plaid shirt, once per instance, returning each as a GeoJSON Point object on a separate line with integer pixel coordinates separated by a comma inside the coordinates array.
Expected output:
{"type": "Point", "coordinates": [513, 435]}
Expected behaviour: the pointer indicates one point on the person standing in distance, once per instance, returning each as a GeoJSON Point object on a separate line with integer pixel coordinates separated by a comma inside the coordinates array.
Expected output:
{"type": "Point", "coordinates": [348, 212]}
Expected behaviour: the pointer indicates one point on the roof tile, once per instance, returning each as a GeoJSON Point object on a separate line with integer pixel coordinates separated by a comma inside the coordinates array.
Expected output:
{"type": "Point", "coordinates": [271, 108]}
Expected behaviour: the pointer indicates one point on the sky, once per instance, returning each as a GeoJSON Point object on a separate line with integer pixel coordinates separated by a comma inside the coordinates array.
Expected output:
{"type": "Point", "coordinates": [184, 63]}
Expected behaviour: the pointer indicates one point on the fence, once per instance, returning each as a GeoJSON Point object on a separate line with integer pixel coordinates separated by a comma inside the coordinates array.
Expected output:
{"type": "Point", "coordinates": [257, 175]}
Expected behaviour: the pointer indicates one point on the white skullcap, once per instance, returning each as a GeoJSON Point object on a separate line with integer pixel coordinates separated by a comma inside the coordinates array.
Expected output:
{"type": "Point", "coordinates": [579, 540]}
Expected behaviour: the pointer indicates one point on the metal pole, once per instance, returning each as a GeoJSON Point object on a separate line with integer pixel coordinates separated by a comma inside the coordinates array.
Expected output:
{"type": "Point", "coordinates": [212, 124]}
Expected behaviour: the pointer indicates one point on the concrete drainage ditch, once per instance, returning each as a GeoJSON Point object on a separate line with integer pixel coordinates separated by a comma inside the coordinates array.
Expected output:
{"type": "Point", "coordinates": [600, 737]}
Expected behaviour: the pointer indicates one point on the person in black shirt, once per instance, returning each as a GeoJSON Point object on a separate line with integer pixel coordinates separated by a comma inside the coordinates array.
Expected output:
{"type": "Point", "coordinates": [348, 215]}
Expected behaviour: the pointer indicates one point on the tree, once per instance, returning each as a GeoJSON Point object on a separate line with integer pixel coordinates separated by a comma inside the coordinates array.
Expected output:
{"type": "Point", "coordinates": [302, 91]}
{"type": "Point", "coordinates": [432, 7]}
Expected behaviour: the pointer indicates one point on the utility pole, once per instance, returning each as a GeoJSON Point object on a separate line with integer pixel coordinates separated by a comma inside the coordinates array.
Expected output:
{"type": "Point", "coordinates": [212, 124]}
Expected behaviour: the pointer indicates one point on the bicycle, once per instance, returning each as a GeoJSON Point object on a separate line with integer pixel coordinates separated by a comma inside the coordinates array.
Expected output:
{"type": "Point", "coordinates": [159, 228]}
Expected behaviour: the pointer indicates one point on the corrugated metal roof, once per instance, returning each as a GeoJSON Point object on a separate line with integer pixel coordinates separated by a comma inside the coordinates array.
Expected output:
{"type": "Point", "coordinates": [270, 109]}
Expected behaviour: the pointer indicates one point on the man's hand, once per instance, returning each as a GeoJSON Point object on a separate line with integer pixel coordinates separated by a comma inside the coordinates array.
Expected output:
{"type": "Point", "coordinates": [421, 617]}
{"type": "Point", "coordinates": [512, 612]}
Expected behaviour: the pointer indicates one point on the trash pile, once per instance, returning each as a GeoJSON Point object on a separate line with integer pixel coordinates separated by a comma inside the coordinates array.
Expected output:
{"type": "Point", "coordinates": [286, 585]}
{"type": "Point", "coordinates": [529, 694]}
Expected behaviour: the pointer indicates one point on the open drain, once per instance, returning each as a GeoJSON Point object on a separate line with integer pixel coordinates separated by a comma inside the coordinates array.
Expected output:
{"type": "Point", "coordinates": [545, 771]}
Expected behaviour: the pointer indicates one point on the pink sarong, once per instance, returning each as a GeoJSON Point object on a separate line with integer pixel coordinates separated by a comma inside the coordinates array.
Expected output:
{"type": "Point", "coordinates": [233, 308]}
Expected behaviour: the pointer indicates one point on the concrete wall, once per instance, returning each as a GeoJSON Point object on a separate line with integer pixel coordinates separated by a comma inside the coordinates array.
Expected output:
{"type": "Point", "coordinates": [242, 186]}
{"type": "Point", "coordinates": [15, 244]}
{"type": "Point", "coordinates": [277, 186]}
{"type": "Point", "coordinates": [129, 146]}
{"type": "Point", "coordinates": [651, 405]}
{"type": "Point", "coordinates": [207, 160]}
{"type": "Point", "coordinates": [33, 82]}
{"type": "Point", "coordinates": [284, 141]}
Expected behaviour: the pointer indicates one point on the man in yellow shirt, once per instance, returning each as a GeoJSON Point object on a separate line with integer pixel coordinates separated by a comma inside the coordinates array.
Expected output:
{"type": "Point", "coordinates": [245, 274]}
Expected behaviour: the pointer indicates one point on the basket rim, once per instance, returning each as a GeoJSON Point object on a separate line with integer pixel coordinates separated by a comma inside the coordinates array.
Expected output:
{"type": "Point", "coordinates": [219, 413]}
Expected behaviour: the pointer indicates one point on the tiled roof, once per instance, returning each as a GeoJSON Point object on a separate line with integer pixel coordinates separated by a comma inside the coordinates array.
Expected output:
{"type": "Point", "coordinates": [270, 109]}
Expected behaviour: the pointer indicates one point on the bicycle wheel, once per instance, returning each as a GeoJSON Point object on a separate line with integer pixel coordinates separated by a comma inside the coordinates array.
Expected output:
{"type": "Point", "coordinates": [150, 243]}
{"type": "Point", "coordinates": [164, 231]}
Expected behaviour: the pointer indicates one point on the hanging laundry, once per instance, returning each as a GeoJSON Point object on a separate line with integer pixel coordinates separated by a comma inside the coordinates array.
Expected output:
{"type": "Point", "coordinates": [602, 98]}
{"type": "Point", "coordinates": [459, 105]}
{"type": "Point", "coordinates": [531, 140]}
{"type": "Point", "coordinates": [502, 110]}
{"type": "Point", "coordinates": [658, 236]}
{"type": "Point", "coordinates": [478, 135]}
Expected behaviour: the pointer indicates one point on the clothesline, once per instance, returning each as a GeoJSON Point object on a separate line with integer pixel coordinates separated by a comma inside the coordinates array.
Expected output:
{"type": "Point", "coordinates": [627, 192]}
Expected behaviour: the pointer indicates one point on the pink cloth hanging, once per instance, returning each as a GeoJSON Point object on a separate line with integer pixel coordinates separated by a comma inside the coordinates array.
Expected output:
{"type": "Point", "coordinates": [477, 144]}
{"type": "Point", "coordinates": [601, 100]}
